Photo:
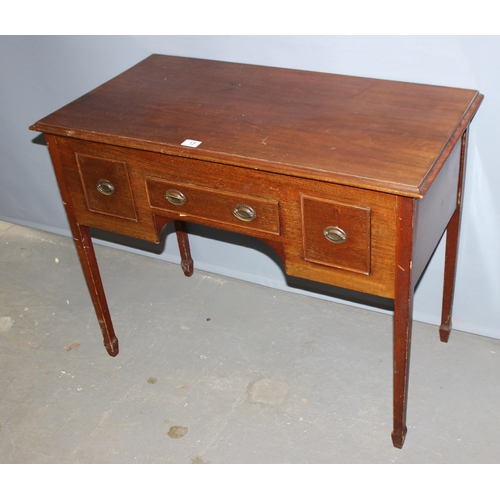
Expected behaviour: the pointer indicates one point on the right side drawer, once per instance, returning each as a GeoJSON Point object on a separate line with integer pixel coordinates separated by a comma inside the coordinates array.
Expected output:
{"type": "Point", "coordinates": [336, 234]}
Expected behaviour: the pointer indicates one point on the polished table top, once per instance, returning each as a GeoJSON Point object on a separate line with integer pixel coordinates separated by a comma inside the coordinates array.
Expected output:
{"type": "Point", "coordinates": [379, 134]}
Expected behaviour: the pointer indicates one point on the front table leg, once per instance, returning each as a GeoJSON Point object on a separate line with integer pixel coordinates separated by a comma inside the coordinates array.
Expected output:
{"type": "Point", "coordinates": [402, 343]}
{"type": "Point", "coordinates": [403, 315]}
{"type": "Point", "coordinates": [88, 261]}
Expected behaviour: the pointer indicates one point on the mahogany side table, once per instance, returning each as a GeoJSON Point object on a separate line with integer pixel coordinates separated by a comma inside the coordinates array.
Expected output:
{"type": "Point", "coordinates": [352, 181]}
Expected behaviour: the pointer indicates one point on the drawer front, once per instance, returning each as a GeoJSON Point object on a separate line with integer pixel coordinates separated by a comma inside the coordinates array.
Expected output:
{"type": "Point", "coordinates": [213, 205]}
{"type": "Point", "coordinates": [341, 236]}
{"type": "Point", "coordinates": [101, 188]}
{"type": "Point", "coordinates": [336, 234]}
{"type": "Point", "coordinates": [106, 186]}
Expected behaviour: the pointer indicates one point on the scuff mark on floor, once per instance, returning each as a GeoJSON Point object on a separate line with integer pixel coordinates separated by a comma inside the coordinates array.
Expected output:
{"type": "Point", "coordinates": [266, 391]}
{"type": "Point", "coordinates": [6, 323]}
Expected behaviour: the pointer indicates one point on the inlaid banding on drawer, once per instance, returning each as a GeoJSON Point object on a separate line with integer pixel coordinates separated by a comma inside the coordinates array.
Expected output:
{"type": "Point", "coordinates": [336, 234]}
{"type": "Point", "coordinates": [106, 186]}
{"type": "Point", "coordinates": [222, 207]}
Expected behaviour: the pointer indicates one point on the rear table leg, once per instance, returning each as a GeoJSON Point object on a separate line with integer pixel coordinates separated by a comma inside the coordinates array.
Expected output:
{"type": "Point", "coordinates": [450, 263]}
{"type": "Point", "coordinates": [183, 240]}
{"type": "Point", "coordinates": [449, 275]}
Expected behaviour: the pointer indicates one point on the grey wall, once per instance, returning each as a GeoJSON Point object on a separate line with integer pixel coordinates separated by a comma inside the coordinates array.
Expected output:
{"type": "Point", "coordinates": [41, 74]}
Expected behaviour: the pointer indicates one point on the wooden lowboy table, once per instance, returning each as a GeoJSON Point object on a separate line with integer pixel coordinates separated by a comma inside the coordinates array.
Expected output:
{"type": "Point", "coordinates": [352, 181]}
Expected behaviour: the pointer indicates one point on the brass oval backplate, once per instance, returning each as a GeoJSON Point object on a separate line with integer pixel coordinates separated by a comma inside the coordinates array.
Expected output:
{"type": "Point", "coordinates": [335, 234]}
{"type": "Point", "coordinates": [105, 187]}
{"type": "Point", "coordinates": [244, 213]}
{"type": "Point", "coordinates": [175, 197]}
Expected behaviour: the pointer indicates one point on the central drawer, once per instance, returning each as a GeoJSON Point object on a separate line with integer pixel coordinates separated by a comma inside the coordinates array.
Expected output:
{"type": "Point", "coordinates": [207, 205]}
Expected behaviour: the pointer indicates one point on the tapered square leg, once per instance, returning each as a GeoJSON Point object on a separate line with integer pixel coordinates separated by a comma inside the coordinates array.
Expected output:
{"type": "Point", "coordinates": [403, 315]}
{"type": "Point", "coordinates": [450, 263]}
{"type": "Point", "coordinates": [402, 345]}
{"type": "Point", "coordinates": [449, 275]}
{"type": "Point", "coordinates": [184, 249]}
{"type": "Point", "coordinates": [88, 261]}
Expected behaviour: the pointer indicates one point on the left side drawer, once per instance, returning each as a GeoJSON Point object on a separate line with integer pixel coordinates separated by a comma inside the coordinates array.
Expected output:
{"type": "Point", "coordinates": [106, 186]}
{"type": "Point", "coordinates": [102, 187]}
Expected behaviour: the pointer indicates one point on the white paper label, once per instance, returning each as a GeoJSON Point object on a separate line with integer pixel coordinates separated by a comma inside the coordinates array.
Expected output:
{"type": "Point", "coordinates": [190, 143]}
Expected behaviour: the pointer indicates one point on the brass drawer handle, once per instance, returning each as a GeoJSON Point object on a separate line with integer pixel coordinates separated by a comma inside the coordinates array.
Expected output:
{"type": "Point", "coordinates": [335, 234]}
{"type": "Point", "coordinates": [244, 213]}
{"type": "Point", "coordinates": [105, 187]}
{"type": "Point", "coordinates": [175, 197]}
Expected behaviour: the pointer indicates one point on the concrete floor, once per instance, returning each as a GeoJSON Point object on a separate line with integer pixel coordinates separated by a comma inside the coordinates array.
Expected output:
{"type": "Point", "coordinates": [214, 370]}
